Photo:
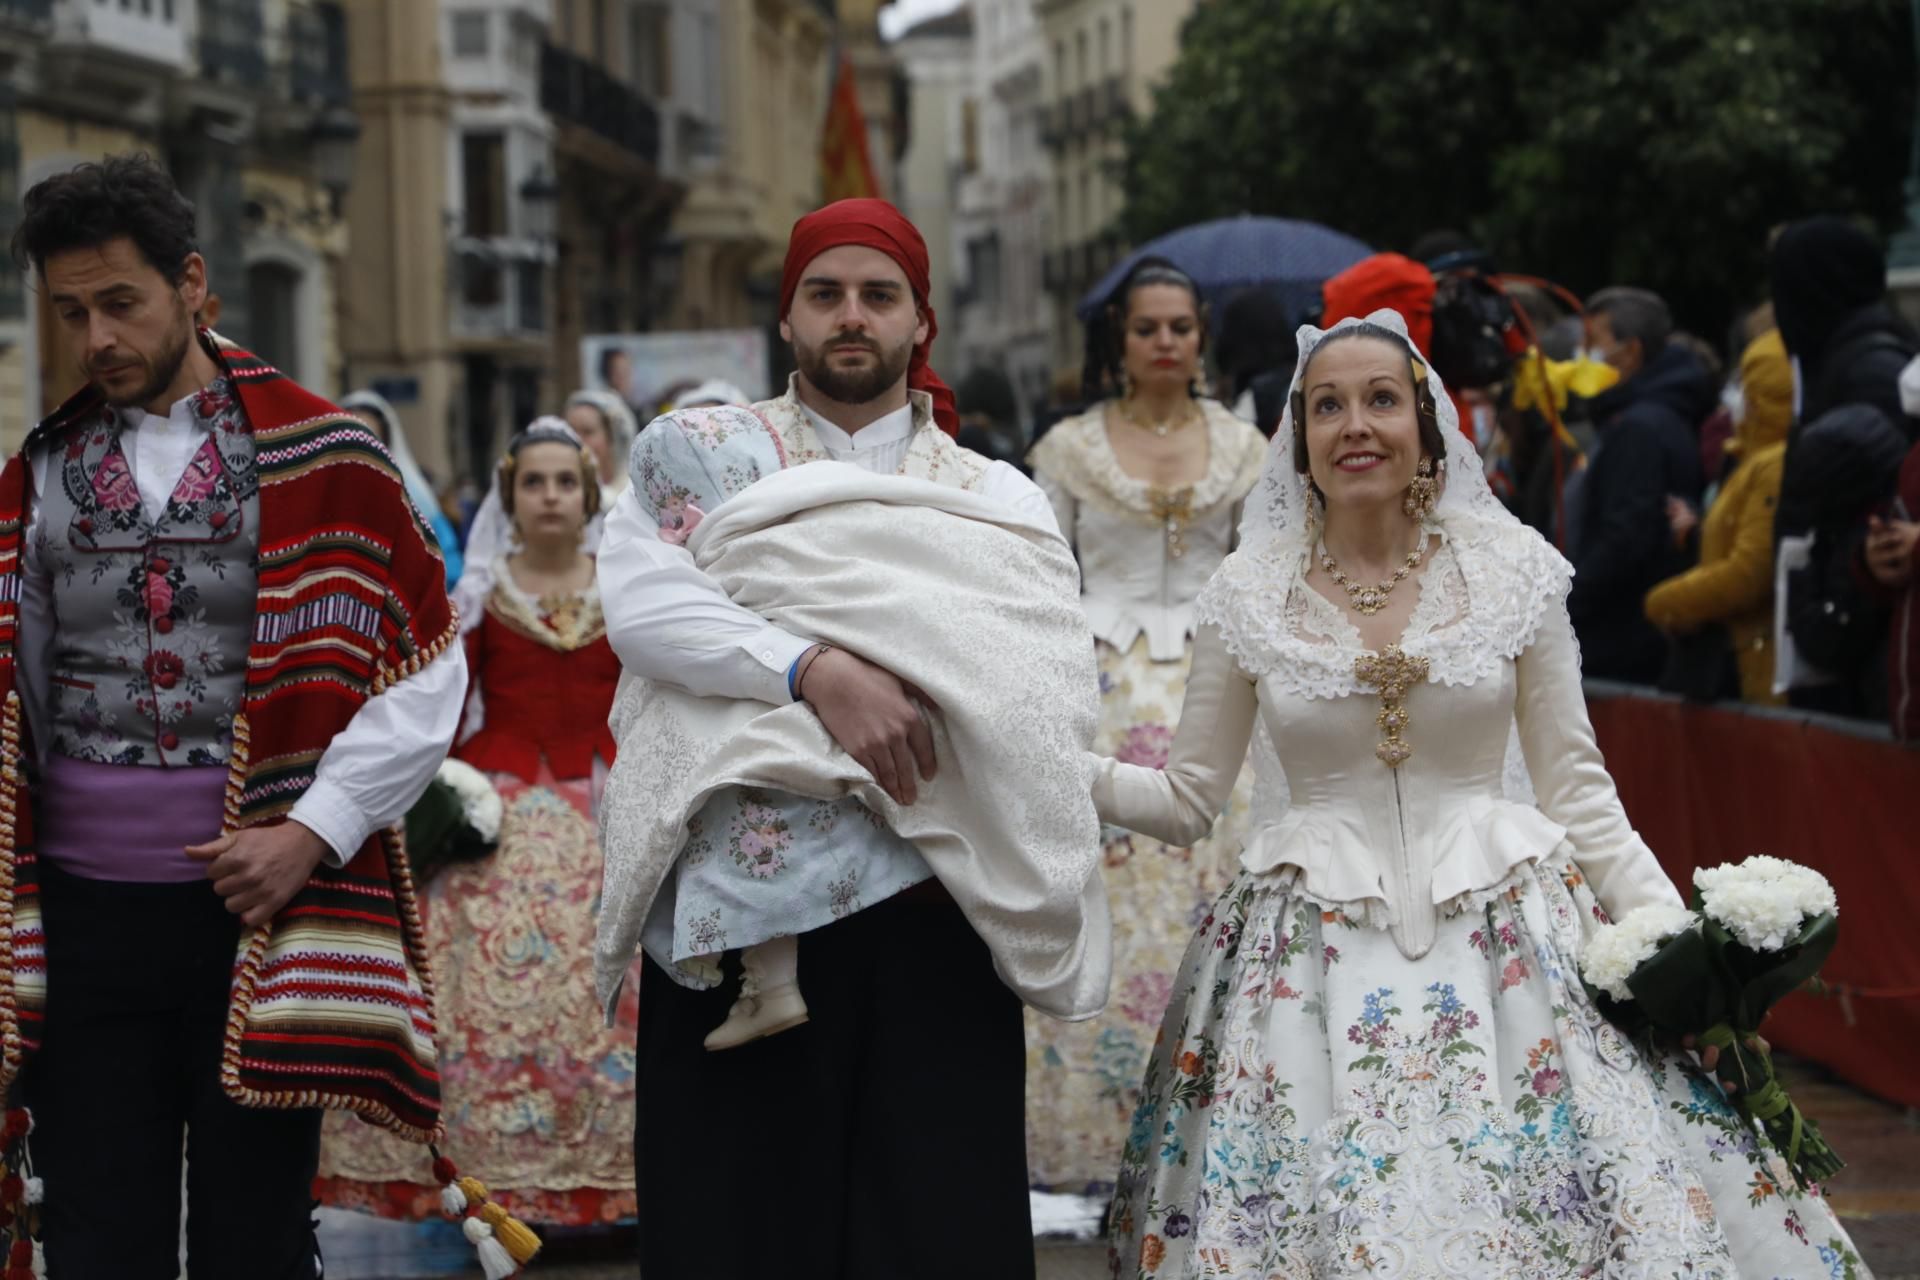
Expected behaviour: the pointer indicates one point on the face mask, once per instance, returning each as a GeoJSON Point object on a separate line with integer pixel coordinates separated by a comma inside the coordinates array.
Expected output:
{"type": "Point", "coordinates": [1483, 425]}
{"type": "Point", "coordinates": [1910, 388]}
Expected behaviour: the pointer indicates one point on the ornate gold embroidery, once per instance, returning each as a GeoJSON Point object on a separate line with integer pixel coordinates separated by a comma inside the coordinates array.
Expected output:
{"type": "Point", "coordinates": [563, 621]}
{"type": "Point", "coordinates": [566, 614]}
{"type": "Point", "coordinates": [1393, 673]}
{"type": "Point", "coordinates": [1172, 510]}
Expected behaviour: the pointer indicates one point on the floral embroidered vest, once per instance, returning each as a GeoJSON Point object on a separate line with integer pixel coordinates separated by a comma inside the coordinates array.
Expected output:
{"type": "Point", "coordinates": [155, 616]}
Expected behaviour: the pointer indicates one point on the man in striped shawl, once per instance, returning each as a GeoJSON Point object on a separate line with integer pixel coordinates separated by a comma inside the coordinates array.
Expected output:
{"type": "Point", "coordinates": [226, 672]}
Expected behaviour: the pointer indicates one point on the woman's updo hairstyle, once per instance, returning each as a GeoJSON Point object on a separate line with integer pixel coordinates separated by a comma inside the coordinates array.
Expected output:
{"type": "Point", "coordinates": [1104, 372]}
{"type": "Point", "coordinates": [1432, 443]}
{"type": "Point", "coordinates": [547, 429]}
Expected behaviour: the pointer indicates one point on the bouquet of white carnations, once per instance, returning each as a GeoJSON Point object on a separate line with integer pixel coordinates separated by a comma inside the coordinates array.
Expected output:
{"type": "Point", "coordinates": [456, 820]}
{"type": "Point", "coordinates": [1756, 931]}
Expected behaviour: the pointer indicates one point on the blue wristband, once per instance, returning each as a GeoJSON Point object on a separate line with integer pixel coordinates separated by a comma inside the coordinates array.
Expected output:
{"type": "Point", "coordinates": [793, 694]}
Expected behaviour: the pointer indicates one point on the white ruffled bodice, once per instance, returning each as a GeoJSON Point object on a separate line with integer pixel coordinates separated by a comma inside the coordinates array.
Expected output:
{"type": "Point", "coordinates": [1396, 848]}
{"type": "Point", "coordinates": [1145, 553]}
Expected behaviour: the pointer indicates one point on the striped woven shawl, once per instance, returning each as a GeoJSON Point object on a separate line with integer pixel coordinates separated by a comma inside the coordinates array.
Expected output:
{"type": "Point", "coordinates": [332, 1002]}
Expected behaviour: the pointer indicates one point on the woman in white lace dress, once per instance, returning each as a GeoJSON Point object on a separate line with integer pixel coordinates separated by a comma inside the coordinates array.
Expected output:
{"type": "Point", "coordinates": [1379, 1058]}
{"type": "Point", "coordinates": [1147, 486]}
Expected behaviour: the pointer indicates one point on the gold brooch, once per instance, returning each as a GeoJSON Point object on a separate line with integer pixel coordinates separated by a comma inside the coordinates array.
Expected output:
{"type": "Point", "coordinates": [1172, 509]}
{"type": "Point", "coordinates": [1393, 673]}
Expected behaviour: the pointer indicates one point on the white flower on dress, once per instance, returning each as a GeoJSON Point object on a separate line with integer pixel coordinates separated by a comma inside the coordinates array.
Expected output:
{"type": "Point", "coordinates": [1763, 901]}
{"type": "Point", "coordinates": [479, 802]}
{"type": "Point", "coordinates": [1616, 950]}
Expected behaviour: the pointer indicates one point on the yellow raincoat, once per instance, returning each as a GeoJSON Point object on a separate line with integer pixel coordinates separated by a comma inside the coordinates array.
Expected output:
{"type": "Point", "coordinates": [1733, 583]}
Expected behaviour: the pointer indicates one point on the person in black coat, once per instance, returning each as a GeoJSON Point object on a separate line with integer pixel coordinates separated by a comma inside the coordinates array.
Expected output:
{"type": "Point", "coordinates": [1829, 286]}
{"type": "Point", "coordinates": [1828, 281]}
{"type": "Point", "coordinates": [1257, 352]}
{"type": "Point", "coordinates": [1847, 461]}
{"type": "Point", "coordinates": [1645, 453]}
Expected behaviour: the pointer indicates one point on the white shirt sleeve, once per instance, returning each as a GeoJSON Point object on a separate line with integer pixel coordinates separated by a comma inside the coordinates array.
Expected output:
{"type": "Point", "coordinates": [672, 623]}
{"type": "Point", "coordinates": [380, 764]}
{"type": "Point", "coordinates": [1006, 483]}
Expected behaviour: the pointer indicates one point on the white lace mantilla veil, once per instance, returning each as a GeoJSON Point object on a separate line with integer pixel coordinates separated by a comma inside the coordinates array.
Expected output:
{"type": "Point", "coordinates": [1274, 529]}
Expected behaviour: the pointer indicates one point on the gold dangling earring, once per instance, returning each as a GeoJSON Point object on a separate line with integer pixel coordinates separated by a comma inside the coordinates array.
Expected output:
{"type": "Point", "coordinates": [1199, 386]}
{"type": "Point", "coordinates": [1422, 493]}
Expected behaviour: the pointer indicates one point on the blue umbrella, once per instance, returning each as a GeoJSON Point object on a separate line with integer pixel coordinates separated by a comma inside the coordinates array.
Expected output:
{"type": "Point", "coordinates": [1291, 257]}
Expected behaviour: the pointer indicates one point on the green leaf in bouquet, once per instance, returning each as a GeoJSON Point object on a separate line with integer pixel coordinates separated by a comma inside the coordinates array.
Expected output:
{"type": "Point", "coordinates": [1761, 1098]}
{"type": "Point", "coordinates": [432, 820]}
{"type": "Point", "coordinates": [1680, 988]}
{"type": "Point", "coordinates": [1787, 970]}
{"type": "Point", "coordinates": [438, 833]}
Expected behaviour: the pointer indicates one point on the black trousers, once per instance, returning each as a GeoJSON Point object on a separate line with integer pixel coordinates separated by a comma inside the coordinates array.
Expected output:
{"type": "Point", "coordinates": [884, 1139]}
{"type": "Point", "coordinates": [137, 983]}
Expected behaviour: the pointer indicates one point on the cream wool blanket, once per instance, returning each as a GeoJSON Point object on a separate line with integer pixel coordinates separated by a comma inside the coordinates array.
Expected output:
{"type": "Point", "coordinates": [955, 593]}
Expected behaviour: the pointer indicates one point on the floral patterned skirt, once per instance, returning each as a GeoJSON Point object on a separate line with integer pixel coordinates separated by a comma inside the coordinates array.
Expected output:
{"type": "Point", "coordinates": [537, 1092]}
{"type": "Point", "coordinates": [1320, 1105]}
{"type": "Point", "coordinates": [1083, 1078]}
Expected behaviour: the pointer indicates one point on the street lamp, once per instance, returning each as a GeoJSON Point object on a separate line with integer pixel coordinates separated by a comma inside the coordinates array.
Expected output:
{"type": "Point", "coordinates": [334, 137]}
{"type": "Point", "coordinates": [539, 205]}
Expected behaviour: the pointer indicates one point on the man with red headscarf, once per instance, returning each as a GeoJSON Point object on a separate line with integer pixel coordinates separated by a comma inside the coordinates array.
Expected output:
{"type": "Point", "coordinates": [856, 1133]}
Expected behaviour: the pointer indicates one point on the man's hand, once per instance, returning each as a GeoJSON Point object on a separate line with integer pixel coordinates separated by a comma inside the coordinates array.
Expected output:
{"type": "Point", "coordinates": [872, 714]}
{"type": "Point", "coordinates": [1890, 546]}
{"type": "Point", "coordinates": [258, 870]}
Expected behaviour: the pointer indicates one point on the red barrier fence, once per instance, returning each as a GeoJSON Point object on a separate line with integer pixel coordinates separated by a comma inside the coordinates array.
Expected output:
{"type": "Point", "coordinates": [1706, 785]}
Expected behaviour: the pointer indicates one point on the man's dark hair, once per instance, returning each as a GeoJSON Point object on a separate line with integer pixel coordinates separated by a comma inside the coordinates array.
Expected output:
{"type": "Point", "coordinates": [1634, 313]}
{"type": "Point", "coordinates": [91, 204]}
{"type": "Point", "coordinates": [607, 356]}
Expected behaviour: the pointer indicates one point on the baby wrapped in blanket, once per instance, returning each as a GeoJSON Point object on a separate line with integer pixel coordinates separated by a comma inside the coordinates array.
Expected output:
{"type": "Point", "coordinates": [741, 825]}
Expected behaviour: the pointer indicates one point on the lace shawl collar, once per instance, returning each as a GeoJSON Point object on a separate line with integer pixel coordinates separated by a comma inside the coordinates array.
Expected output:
{"type": "Point", "coordinates": [1509, 574]}
{"type": "Point", "coordinates": [1077, 454]}
{"type": "Point", "coordinates": [563, 623]}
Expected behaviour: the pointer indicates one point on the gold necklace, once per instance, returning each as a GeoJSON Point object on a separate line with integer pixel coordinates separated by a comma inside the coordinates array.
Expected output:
{"type": "Point", "coordinates": [1371, 600]}
{"type": "Point", "coordinates": [1164, 429]}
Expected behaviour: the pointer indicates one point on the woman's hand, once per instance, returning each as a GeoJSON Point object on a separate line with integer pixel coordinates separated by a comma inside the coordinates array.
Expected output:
{"type": "Point", "coordinates": [1709, 1057]}
{"type": "Point", "coordinates": [1682, 519]}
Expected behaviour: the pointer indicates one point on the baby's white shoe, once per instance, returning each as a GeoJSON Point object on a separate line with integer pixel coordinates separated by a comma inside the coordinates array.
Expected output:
{"type": "Point", "coordinates": [765, 1014]}
{"type": "Point", "coordinates": [769, 995]}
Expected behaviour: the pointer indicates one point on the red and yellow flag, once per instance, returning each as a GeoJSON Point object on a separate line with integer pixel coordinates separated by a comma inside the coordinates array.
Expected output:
{"type": "Point", "coordinates": [846, 169]}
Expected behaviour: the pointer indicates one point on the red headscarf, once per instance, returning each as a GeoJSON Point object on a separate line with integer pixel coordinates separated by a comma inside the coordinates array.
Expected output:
{"type": "Point", "coordinates": [874, 224]}
{"type": "Point", "coordinates": [1398, 283]}
{"type": "Point", "coordinates": [1385, 280]}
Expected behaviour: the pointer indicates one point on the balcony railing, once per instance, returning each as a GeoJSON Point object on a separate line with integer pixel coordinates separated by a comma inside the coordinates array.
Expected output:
{"type": "Point", "coordinates": [575, 91]}
{"type": "Point", "coordinates": [37, 12]}
{"type": "Point", "coordinates": [317, 54]}
{"type": "Point", "coordinates": [700, 140]}
{"type": "Point", "coordinates": [1114, 104]}
{"type": "Point", "coordinates": [497, 295]}
{"type": "Point", "coordinates": [233, 43]}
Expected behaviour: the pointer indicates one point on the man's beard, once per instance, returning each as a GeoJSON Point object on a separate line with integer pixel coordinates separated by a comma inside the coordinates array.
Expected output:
{"type": "Point", "coordinates": [853, 386]}
{"type": "Point", "coordinates": [161, 370]}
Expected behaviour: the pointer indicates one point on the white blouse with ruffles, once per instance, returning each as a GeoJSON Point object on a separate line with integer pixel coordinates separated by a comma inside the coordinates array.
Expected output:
{"type": "Point", "coordinates": [1145, 552]}
{"type": "Point", "coordinates": [1396, 848]}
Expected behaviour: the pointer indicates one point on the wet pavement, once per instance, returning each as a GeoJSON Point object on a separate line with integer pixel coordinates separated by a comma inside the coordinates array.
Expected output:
{"type": "Point", "coordinates": [1877, 1197]}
